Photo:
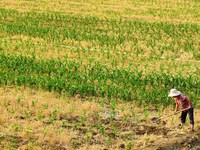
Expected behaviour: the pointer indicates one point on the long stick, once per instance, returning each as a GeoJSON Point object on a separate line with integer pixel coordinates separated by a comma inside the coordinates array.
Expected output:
{"type": "Point", "coordinates": [170, 114]}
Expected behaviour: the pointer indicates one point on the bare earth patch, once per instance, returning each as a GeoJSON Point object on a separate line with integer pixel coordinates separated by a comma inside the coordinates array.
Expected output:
{"type": "Point", "coordinates": [41, 120]}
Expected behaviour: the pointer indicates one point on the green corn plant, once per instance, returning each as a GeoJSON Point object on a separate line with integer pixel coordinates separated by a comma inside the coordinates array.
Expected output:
{"type": "Point", "coordinates": [90, 80]}
{"type": "Point", "coordinates": [108, 140]}
{"type": "Point", "coordinates": [17, 127]}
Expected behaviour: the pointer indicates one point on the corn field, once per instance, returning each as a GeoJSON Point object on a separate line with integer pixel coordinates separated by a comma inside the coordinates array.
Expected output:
{"type": "Point", "coordinates": [101, 56]}
{"type": "Point", "coordinates": [94, 79]}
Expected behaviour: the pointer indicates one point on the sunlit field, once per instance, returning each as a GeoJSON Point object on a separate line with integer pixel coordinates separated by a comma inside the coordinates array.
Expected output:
{"type": "Point", "coordinates": [91, 74]}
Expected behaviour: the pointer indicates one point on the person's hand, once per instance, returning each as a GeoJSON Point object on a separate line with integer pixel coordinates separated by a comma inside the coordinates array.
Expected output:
{"type": "Point", "coordinates": [175, 112]}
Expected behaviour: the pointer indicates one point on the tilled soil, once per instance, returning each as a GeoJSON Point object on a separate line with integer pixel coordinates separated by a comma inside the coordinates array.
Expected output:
{"type": "Point", "coordinates": [54, 125]}
{"type": "Point", "coordinates": [190, 142]}
{"type": "Point", "coordinates": [99, 130]}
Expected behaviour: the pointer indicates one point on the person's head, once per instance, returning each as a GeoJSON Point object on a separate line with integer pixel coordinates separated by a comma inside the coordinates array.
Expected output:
{"type": "Point", "coordinates": [174, 93]}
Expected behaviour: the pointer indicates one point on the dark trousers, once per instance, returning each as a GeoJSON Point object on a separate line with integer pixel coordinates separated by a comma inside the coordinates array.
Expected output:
{"type": "Point", "coordinates": [191, 116]}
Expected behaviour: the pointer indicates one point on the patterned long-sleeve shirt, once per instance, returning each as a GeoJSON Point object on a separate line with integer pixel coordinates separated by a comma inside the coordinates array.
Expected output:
{"type": "Point", "coordinates": [182, 101]}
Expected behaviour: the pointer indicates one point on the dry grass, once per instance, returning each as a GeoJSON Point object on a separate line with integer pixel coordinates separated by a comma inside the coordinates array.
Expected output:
{"type": "Point", "coordinates": [163, 10]}
{"type": "Point", "coordinates": [36, 120]}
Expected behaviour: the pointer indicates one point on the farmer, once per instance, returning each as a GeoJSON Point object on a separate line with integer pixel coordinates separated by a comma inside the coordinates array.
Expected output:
{"type": "Point", "coordinates": [185, 104]}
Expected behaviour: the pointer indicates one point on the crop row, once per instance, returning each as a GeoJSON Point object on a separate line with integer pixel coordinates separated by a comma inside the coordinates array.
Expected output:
{"type": "Point", "coordinates": [111, 58]}
{"type": "Point", "coordinates": [149, 10]}
{"type": "Point", "coordinates": [129, 35]}
{"type": "Point", "coordinates": [72, 77]}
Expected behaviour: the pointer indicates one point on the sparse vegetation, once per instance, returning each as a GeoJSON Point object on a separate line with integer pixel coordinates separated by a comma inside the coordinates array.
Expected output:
{"type": "Point", "coordinates": [90, 74]}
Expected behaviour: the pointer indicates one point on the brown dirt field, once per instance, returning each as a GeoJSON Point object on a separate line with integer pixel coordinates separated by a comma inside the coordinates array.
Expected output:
{"type": "Point", "coordinates": [40, 120]}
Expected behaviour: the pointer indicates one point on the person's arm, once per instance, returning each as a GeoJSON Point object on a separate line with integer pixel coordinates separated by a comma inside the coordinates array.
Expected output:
{"type": "Point", "coordinates": [189, 102]}
{"type": "Point", "coordinates": [176, 109]}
